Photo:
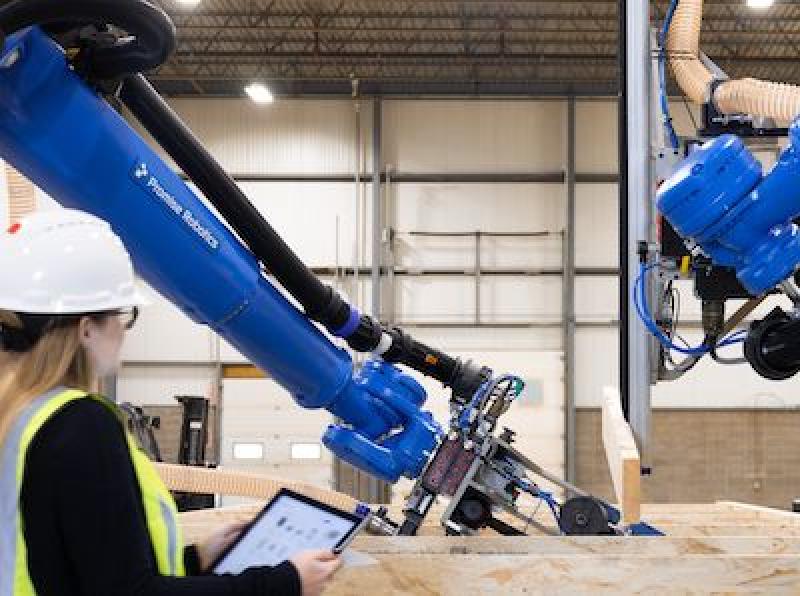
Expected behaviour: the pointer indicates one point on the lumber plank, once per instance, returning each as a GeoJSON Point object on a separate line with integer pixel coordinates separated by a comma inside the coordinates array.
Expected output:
{"type": "Point", "coordinates": [623, 457]}
{"type": "Point", "coordinates": [757, 554]}
{"type": "Point", "coordinates": [557, 574]}
{"type": "Point", "coordinates": [579, 545]}
{"type": "Point", "coordinates": [197, 524]}
{"type": "Point", "coordinates": [243, 484]}
{"type": "Point", "coordinates": [762, 512]}
{"type": "Point", "coordinates": [756, 529]}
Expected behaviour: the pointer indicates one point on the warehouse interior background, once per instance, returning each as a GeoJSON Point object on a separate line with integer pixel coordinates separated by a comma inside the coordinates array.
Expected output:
{"type": "Point", "coordinates": [493, 133]}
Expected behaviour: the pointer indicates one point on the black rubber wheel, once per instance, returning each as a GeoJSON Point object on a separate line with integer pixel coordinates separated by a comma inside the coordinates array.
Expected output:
{"type": "Point", "coordinates": [584, 516]}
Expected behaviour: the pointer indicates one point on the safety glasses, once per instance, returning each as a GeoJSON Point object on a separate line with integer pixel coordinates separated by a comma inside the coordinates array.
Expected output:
{"type": "Point", "coordinates": [127, 316]}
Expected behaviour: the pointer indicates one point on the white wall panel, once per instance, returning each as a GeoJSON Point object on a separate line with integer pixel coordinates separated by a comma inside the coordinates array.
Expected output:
{"type": "Point", "coordinates": [165, 333]}
{"type": "Point", "coordinates": [485, 207]}
{"type": "Point", "coordinates": [227, 353]}
{"type": "Point", "coordinates": [596, 149]}
{"type": "Point", "coordinates": [521, 299]}
{"type": "Point", "coordinates": [463, 136]}
{"type": "Point", "coordinates": [503, 299]}
{"type": "Point", "coordinates": [290, 136]}
{"type": "Point", "coordinates": [158, 385]}
{"type": "Point", "coordinates": [307, 216]}
{"type": "Point", "coordinates": [491, 340]}
{"type": "Point", "coordinates": [260, 411]}
{"type": "Point", "coordinates": [596, 225]}
{"type": "Point", "coordinates": [597, 299]}
{"type": "Point", "coordinates": [596, 363]}
{"type": "Point", "coordinates": [433, 298]}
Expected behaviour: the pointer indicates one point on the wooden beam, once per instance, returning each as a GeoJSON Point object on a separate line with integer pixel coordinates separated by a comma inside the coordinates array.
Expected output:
{"type": "Point", "coordinates": [666, 546]}
{"type": "Point", "coordinates": [242, 371]}
{"type": "Point", "coordinates": [738, 549]}
{"type": "Point", "coordinates": [753, 529]}
{"type": "Point", "coordinates": [465, 575]}
{"type": "Point", "coordinates": [765, 513]}
{"type": "Point", "coordinates": [623, 457]}
{"type": "Point", "coordinates": [242, 484]}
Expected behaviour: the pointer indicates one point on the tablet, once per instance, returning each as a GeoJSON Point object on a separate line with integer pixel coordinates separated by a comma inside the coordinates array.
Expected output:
{"type": "Point", "coordinates": [290, 523]}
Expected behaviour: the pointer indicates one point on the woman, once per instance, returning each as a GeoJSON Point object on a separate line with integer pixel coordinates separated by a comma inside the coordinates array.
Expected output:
{"type": "Point", "coordinates": [82, 510]}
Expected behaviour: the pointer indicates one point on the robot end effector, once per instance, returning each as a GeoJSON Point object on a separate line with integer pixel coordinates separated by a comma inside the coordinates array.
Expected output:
{"type": "Point", "coordinates": [726, 209]}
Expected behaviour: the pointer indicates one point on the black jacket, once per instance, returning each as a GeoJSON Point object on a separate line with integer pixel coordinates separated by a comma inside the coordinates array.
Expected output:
{"type": "Point", "coordinates": [84, 522]}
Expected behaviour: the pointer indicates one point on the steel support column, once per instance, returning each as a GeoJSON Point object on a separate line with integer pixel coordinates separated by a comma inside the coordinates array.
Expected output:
{"type": "Point", "coordinates": [377, 213]}
{"type": "Point", "coordinates": [639, 189]}
{"type": "Point", "coordinates": [568, 306]}
{"type": "Point", "coordinates": [379, 491]}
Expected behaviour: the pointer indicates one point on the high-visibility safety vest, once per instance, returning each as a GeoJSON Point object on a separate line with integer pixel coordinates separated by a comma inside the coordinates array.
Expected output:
{"type": "Point", "coordinates": [159, 506]}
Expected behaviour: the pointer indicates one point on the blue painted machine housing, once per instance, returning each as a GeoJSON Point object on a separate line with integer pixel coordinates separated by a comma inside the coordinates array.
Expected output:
{"type": "Point", "coordinates": [719, 198]}
{"type": "Point", "coordinates": [68, 140]}
{"type": "Point", "coordinates": [399, 397]}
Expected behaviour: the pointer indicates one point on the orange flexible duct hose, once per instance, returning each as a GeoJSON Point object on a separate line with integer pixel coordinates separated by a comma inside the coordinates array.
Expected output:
{"type": "Point", "coordinates": [779, 101]}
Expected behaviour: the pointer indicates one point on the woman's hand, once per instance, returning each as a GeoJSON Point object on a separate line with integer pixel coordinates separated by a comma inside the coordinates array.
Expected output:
{"type": "Point", "coordinates": [215, 545]}
{"type": "Point", "coordinates": [315, 568]}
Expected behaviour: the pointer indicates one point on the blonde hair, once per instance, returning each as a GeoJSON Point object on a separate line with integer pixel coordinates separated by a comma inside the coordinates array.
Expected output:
{"type": "Point", "coordinates": [57, 359]}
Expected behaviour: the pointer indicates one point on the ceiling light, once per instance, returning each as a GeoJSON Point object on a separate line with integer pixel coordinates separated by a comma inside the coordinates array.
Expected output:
{"type": "Point", "coordinates": [760, 3]}
{"type": "Point", "coordinates": [188, 2]}
{"type": "Point", "coordinates": [259, 93]}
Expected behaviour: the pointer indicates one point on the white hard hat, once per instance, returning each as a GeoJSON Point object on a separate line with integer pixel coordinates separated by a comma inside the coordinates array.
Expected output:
{"type": "Point", "coordinates": [62, 262]}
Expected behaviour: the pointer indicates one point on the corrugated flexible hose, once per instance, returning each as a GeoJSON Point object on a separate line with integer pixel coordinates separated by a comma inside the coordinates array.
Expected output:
{"type": "Point", "coordinates": [779, 101]}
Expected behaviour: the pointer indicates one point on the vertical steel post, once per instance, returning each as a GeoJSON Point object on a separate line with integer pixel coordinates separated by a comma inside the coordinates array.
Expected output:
{"type": "Point", "coordinates": [379, 491]}
{"type": "Point", "coordinates": [478, 267]}
{"type": "Point", "coordinates": [622, 127]}
{"type": "Point", "coordinates": [377, 211]}
{"type": "Point", "coordinates": [639, 187]}
{"type": "Point", "coordinates": [568, 306]}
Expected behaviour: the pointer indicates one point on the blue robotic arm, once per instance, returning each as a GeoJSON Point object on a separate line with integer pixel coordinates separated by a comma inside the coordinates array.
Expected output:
{"type": "Point", "coordinates": [65, 137]}
{"type": "Point", "coordinates": [729, 211]}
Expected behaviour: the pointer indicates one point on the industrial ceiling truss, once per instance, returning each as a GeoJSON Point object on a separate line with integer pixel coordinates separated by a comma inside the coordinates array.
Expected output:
{"type": "Point", "coordinates": [402, 47]}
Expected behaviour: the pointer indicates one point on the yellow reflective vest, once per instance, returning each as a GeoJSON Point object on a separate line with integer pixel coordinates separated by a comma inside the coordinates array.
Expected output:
{"type": "Point", "coordinates": [159, 506]}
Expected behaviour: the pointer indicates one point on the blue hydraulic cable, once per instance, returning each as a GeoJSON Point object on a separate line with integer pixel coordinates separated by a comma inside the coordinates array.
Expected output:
{"type": "Point", "coordinates": [647, 319]}
{"type": "Point", "coordinates": [662, 75]}
{"type": "Point", "coordinates": [542, 495]}
{"type": "Point", "coordinates": [551, 503]}
{"type": "Point", "coordinates": [643, 311]}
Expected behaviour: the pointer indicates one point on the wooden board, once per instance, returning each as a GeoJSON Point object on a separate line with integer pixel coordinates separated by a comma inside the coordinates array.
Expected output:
{"type": "Point", "coordinates": [623, 457]}
{"type": "Point", "coordinates": [698, 521]}
{"type": "Point", "coordinates": [718, 547]}
{"type": "Point", "coordinates": [242, 371]}
{"type": "Point", "coordinates": [722, 547]}
{"type": "Point", "coordinates": [242, 484]}
{"type": "Point", "coordinates": [466, 575]}
{"type": "Point", "coordinates": [578, 545]}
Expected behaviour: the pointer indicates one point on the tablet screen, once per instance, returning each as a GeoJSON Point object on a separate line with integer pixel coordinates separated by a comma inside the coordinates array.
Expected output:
{"type": "Point", "coordinates": [289, 524]}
